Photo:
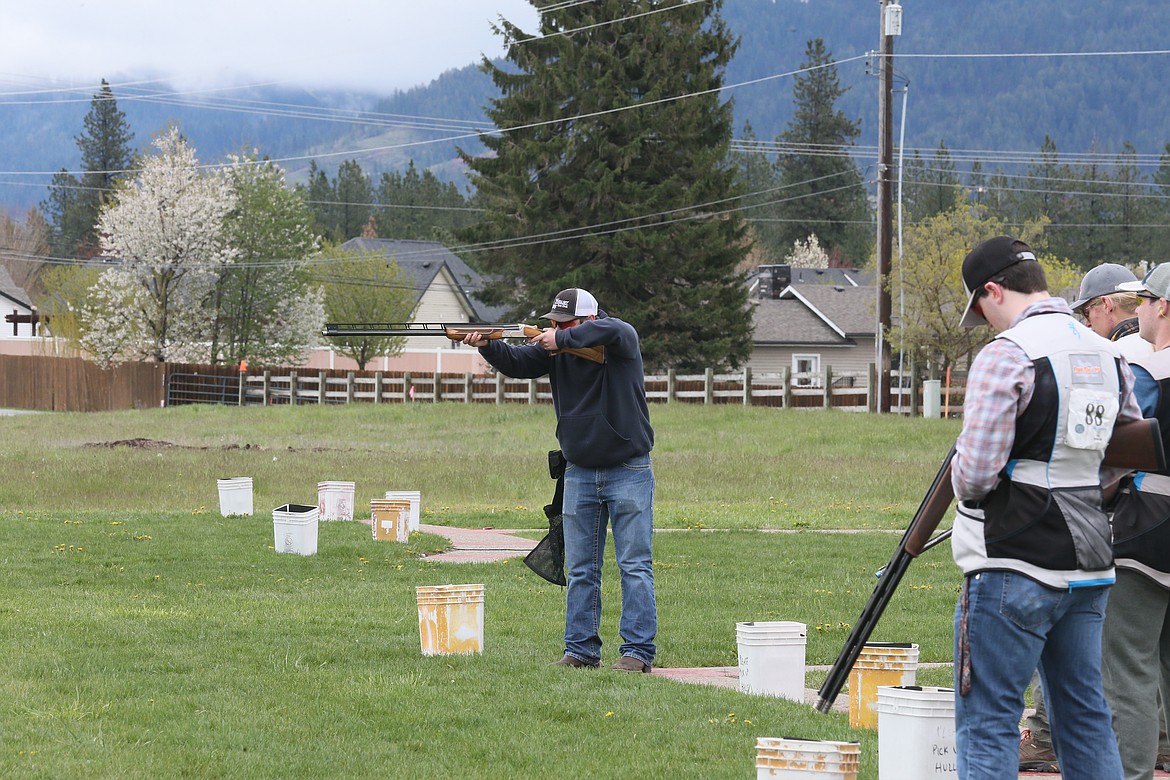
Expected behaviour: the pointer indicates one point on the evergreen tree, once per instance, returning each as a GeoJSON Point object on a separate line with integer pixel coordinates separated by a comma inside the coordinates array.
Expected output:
{"type": "Point", "coordinates": [933, 188]}
{"type": "Point", "coordinates": [73, 205]}
{"type": "Point", "coordinates": [613, 142]}
{"type": "Point", "coordinates": [823, 191]}
{"type": "Point", "coordinates": [1159, 248]}
{"type": "Point", "coordinates": [419, 207]}
{"type": "Point", "coordinates": [757, 178]}
{"type": "Point", "coordinates": [321, 200]}
{"type": "Point", "coordinates": [355, 197]}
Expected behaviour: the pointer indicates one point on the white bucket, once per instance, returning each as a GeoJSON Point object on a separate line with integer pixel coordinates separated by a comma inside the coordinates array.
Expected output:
{"type": "Point", "coordinates": [916, 733]}
{"type": "Point", "coordinates": [771, 658]}
{"type": "Point", "coordinates": [389, 520]}
{"type": "Point", "coordinates": [335, 500]}
{"type": "Point", "coordinates": [450, 619]}
{"type": "Point", "coordinates": [294, 527]}
{"type": "Point", "coordinates": [415, 499]}
{"type": "Point", "coordinates": [806, 759]}
{"type": "Point", "coordinates": [879, 663]}
{"type": "Point", "coordinates": [235, 496]}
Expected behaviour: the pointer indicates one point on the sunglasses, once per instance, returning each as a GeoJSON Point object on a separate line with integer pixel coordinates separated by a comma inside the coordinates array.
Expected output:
{"type": "Point", "coordinates": [1149, 296]}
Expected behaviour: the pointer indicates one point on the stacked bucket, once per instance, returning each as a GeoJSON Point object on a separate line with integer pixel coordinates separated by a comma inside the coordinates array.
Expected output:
{"type": "Point", "coordinates": [335, 501]}
{"type": "Point", "coordinates": [878, 664]}
{"type": "Point", "coordinates": [450, 619]}
{"type": "Point", "coordinates": [390, 519]}
{"type": "Point", "coordinates": [771, 658]}
{"type": "Point", "coordinates": [804, 759]}
{"type": "Point", "coordinates": [235, 496]}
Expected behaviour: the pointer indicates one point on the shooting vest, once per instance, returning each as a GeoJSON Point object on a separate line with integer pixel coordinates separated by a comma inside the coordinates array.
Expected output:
{"type": "Point", "coordinates": [1044, 517]}
{"type": "Point", "coordinates": [1141, 535]}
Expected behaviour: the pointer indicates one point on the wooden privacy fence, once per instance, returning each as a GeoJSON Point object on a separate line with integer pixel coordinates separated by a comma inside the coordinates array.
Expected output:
{"type": "Point", "coordinates": [74, 384]}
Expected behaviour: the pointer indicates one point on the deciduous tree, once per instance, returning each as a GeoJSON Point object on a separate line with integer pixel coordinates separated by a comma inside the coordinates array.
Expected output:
{"type": "Point", "coordinates": [364, 287]}
{"type": "Point", "coordinates": [164, 239]}
{"type": "Point", "coordinates": [268, 311]}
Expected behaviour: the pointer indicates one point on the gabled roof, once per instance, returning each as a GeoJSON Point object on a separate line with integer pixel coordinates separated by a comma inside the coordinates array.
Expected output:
{"type": "Point", "coordinates": [425, 260]}
{"type": "Point", "coordinates": [816, 315]}
{"type": "Point", "coordinates": [9, 291]}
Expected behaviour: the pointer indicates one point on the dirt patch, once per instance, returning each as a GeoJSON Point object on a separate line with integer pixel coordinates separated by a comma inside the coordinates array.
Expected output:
{"type": "Point", "coordinates": [158, 444]}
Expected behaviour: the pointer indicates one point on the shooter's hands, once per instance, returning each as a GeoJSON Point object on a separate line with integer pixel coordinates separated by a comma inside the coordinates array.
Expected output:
{"type": "Point", "coordinates": [546, 339]}
{"type": "Point", "coordinates": [475, 340]}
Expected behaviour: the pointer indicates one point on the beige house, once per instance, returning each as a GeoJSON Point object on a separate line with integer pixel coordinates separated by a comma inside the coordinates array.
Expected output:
{"type": "Point", "coordinates": [809, 319]}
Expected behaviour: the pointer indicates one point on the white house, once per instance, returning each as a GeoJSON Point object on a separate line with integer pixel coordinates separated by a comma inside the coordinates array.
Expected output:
{"type": "Point", "coordinates": [20, 329]}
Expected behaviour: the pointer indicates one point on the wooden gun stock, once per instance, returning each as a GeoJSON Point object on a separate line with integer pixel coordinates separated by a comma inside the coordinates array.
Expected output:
{"type": "Point", "coordinates": [1136, 445]}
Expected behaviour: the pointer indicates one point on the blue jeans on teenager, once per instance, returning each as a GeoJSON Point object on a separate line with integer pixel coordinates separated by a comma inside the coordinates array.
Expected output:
{"type": "Point", "coordinates": [623, 496]}
{"type": "Point", "coordinates": [1015, 624]}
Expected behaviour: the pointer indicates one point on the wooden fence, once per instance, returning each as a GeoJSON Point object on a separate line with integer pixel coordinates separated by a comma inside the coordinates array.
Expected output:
{"type": "Point", "coordinates": [76, 385]}
{"type": "Point", "coordinates": [73, 384]}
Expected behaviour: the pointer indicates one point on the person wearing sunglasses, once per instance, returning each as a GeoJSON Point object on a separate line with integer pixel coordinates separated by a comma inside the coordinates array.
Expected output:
{"type": "Point", "coordinates": [1030, 533]}
{"type": "Point", "coordinates": [1111, 312]}
{"type": "Point", "coordinates": [603, 428]}
{"type": "Point", "coordinates": [1136, 663]}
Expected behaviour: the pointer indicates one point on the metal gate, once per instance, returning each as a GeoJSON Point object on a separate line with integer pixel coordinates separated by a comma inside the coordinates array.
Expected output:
{"type": "Point", "coordinates": [185, 389]}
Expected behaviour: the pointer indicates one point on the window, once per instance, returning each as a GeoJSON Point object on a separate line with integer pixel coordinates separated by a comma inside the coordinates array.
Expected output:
{"type": "Point", "coordinates": [806, 370]}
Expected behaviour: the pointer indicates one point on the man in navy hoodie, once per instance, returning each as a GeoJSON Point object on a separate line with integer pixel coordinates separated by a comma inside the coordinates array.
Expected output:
{"type": "Point", "coordinates": [603, 427]}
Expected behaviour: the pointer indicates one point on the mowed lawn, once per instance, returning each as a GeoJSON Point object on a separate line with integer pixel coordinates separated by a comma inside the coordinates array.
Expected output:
{"type": "Point", "coordinates": [147, 636]}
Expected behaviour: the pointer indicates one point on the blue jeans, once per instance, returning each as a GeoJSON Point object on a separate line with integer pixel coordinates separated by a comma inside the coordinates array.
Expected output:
{"type": "Point", "coordinates": [1015, 624]}
{"type": "Point", "coordinates": [623, 495]}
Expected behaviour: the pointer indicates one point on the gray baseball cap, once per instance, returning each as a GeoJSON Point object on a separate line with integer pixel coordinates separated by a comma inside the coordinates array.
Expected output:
{"type": "Point", "coordinates": [1102, 280]}
{"type": "Point", "coordinates": [1157, 281]}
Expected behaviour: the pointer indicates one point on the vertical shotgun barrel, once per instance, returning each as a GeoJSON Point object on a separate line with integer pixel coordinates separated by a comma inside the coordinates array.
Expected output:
{"type": "Point", "coordinates": [914, 540]}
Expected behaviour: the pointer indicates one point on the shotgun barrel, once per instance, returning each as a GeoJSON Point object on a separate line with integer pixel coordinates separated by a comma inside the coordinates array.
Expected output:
{"type": "Point", "coordinates": [454, 331]}
{"type": "Point", "coordinates": [914, 541]}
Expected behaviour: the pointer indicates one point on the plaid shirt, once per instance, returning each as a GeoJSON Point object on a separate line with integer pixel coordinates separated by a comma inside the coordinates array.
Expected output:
{"type": "Point", "coordinates": [999, 389]}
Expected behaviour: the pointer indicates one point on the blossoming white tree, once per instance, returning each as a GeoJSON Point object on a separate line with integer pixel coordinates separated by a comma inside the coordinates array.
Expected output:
{"type": "Point", "coordinates": [808, 253]}
{"type": "Point", "coordinates": [164, 234]}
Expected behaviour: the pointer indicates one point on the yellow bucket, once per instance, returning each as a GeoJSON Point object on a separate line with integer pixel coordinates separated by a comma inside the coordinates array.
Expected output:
{"type": "Point", "coordinates": [390, 520]}
{"type": "Point", "coordinates": [879, 664]}
{"type": "Point", "coordinates": [450, 619]}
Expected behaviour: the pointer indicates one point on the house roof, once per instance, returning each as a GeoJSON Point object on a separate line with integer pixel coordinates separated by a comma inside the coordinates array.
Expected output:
{"type": "Point", "coordinates": [11, 292]}
{"type": "Point", "coordinates": [425, 260]}
{"type": "Point", "coordinates": [816, 315]}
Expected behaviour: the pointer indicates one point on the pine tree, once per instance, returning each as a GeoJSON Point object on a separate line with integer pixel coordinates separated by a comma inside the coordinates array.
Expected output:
{"type": "Point", "coordinates": [611, 173]}
{"type": "Point", "coordinates": [73, 205]}
{"type": "Point", "coordinates": [932, 187]}
{"type": "Point", "coordinates": [823, 191]}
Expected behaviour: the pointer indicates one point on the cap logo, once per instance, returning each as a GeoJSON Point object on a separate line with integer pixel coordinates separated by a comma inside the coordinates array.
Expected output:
{"type": "Point", "coordinates": [560, 303]}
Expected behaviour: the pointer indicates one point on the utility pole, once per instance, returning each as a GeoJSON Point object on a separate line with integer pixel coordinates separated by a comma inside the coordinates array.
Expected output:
{"type": "Point", "coordinates": [891, 25]}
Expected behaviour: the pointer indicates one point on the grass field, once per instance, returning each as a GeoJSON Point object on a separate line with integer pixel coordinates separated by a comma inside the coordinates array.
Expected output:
{"type": "Point", "coordinates": [146, 636]}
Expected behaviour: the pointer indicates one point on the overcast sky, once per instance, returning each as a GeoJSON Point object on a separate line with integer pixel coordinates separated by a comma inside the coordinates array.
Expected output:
{"type": "Point", "coordinates": [350, 44]}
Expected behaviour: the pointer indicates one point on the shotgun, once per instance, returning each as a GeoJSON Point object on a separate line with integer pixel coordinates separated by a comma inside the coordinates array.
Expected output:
{"type": "Point", "coordinates": [1133, 445]}
{"type": "Point", "coordinates": [914, 541]}
{"type": "Point", "coordinates": [455, 332]}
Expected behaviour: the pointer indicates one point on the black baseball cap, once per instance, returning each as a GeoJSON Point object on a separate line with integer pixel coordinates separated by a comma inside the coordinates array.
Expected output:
{"type": "Point", "coordinates": [983, 263]}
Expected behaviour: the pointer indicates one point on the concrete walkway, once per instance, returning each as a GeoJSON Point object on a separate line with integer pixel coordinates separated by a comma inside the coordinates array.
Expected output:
{"type": "Point", "coordinates": [478, 545]}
